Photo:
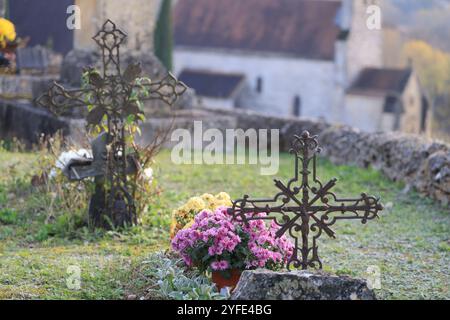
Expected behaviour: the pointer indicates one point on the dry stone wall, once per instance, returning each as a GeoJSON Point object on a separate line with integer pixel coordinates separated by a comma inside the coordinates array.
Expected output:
{"type": "Point", "coordinates": [418, 162]}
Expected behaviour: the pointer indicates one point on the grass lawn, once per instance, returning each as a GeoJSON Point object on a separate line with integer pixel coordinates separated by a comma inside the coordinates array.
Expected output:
{"type": "Point", "coordinates": [410, 243]}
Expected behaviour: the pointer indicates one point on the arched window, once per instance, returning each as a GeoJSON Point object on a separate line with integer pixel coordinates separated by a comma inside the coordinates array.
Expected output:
{"type": "Point", "coordinates": [297, 107]}
{"type": "Point", "coordinates": [259, 85]}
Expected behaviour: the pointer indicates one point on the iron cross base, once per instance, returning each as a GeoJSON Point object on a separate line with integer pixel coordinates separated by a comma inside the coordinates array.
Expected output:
{"type": "Point", "coordinates": [304, 208]}
{"type": "Point", "coordinates": [100, 215]}
{"type": "Point", "coordinates": [104, 217]}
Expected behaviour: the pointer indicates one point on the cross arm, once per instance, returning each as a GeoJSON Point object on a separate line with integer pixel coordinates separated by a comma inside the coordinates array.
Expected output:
{"type": "Point", "coordinates": [244, 210]}
{"type": "Point", "coordinates": [364, 208]}
{"type": "Point", "coordinates": [168, 89]}
{"type": "Point", "coordinates": [57, 99]}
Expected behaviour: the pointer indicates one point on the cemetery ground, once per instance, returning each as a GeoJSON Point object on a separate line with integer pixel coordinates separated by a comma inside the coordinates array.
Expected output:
{"type": "Point", "coordinates": [409, 243]}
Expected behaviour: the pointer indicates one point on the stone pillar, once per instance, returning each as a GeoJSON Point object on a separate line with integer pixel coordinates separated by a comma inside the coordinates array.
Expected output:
{"type": "Point", "coordinates": [136, 17]}
{"type": "Point", "coordinates": [3, 4]}
{"type": "Point", "coordinates": [364, 46]}
{"type": "Point", "coordinates": [89, 25]}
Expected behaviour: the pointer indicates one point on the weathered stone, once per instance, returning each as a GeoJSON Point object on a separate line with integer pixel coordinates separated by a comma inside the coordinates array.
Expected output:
{"type": "Point", "coordinates": [434, 176]}
{"type": "Point", "coordinates": [76, 60]}
{"type": "Point", "coordinates": [22, 86]}
{"type": "Point", "coordinates": [135, 17]}
{"type": "Point", "coordinates": [420, 163]}
{"type": "Point", "coordinates": [23, 121]}
{"type": "Point", "coordinates": [74, 63]}
{"type": "Point", "coordinates": [33, 60]}
{"type": "Point", "coordinates": [299, 285]}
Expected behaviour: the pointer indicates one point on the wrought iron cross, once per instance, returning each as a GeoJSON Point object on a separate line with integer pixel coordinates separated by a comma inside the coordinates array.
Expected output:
{"type": "Point", "coordinates": [114, 96]}
{"type": "Point", "coordinates": [304, 207]}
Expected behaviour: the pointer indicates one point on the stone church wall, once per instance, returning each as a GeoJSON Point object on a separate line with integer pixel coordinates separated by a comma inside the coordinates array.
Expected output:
{"type": "Point", "coordinates": [283, 78]}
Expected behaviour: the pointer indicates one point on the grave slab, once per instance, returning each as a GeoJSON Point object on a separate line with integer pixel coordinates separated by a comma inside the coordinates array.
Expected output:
{"type": "Point", "coordinates": [300, 285]}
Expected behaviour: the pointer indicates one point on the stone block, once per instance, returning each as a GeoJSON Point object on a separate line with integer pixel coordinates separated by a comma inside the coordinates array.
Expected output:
{"type": "Point", "coordinates": [299, 285]}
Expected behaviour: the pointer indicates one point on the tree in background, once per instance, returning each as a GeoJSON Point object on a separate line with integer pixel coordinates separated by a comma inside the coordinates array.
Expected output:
{"type": "Point", "coordinates": [163, 38]}
{"type": "Point", "coordinates": [433, 68]}
{"type": "Point", "coordinates": [433, 65]}
{"type": "Point", "coordinates": [426, 20]}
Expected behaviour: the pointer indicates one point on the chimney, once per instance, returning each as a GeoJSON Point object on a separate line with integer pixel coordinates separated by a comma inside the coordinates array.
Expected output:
{"type": "Point", "coordinates": [345, 14]}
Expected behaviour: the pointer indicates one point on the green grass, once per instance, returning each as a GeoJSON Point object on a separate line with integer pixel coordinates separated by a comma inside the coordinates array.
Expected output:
{"type": "Point", "coordinates": [409, 243]}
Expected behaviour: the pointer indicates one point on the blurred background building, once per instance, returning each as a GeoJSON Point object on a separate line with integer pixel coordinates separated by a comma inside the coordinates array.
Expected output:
{"type": "Point", "coordinates": [294, 58]}
{"type": "Point", "coordinates": [298, 58]}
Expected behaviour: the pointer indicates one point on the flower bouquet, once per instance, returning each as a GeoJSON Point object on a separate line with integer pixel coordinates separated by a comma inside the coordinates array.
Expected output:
{"type": "Point", "coordinates": [184, 216]}
{"type": "Point", "coordinates": [215, 243]}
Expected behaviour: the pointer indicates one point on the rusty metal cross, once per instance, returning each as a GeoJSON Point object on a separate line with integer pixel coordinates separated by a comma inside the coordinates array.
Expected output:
{"type": "Point", "coordinates": [304, 207]}
{"type": "Point", "coordinates": [114, 97]}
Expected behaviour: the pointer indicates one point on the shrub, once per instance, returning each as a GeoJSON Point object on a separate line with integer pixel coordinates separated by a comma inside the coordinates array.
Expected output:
{"type": "Point", "coordinates": [73, 197]}
{"type": "Point", "coordinates": [66, 225]}
{"type": "Point", "coordinates": [8, 216]}
{"type": "Point", "coordinates": [169, 279]}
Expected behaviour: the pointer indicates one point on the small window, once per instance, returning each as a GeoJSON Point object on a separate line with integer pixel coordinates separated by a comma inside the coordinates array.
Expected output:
{"type": "Point", "coordinates": [297, 108]}
{"type": "Point", "coordinates": [259, 85]}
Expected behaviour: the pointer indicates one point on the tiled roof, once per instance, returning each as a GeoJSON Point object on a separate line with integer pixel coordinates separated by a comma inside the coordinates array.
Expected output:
{"type": "Point", "coordinates": [381, 81]}
{"type": "Point", "coordinates": [212, 84]}
{"type": "Point", "coordinates": [305, 28]}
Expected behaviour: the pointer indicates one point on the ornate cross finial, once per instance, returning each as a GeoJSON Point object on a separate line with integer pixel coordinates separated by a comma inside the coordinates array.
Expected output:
{"type": "Point", "coordinates": [305, 208]}
{"type": "Point", "coordinates": [109, 39]}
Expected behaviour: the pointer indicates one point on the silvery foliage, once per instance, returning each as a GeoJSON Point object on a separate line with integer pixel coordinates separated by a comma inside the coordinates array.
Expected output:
{"type": "Point", "coordinates": [172, 281]}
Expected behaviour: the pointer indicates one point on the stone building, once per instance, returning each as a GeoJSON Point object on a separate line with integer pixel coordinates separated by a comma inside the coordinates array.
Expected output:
{"type": "Point", "coordinates": [385, 100]}
{"type": "Point", "coordinates": [297, 58]}
{"type": "Point", "coordinates": [215, 89]}
{"type": "Point", "coordinates": [286, 57]}
{"type": "Point", "coordinates": [47, 24]}
{"type": "Point", "coordinates": [137, 17]}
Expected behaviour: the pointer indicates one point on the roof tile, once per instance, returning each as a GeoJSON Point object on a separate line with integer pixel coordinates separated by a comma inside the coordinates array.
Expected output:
{"type": "Point", "coordinates": [381, 81]}
{"type": "Point", "coordinates": [305, 28]}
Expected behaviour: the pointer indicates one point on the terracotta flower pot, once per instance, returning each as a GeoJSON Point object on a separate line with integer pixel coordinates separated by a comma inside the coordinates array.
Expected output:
{"type": "Point", "coordinates": [221, 281]}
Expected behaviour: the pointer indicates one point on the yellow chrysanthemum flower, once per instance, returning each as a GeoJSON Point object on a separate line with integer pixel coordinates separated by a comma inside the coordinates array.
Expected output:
{"type": "Point", "coordinates": [7, 32]}
{"type": "Point", "coordinates": [223, 196]}
{"type": "Point", "coordinates": [223, 203]}
{"type": "Point", "coordinates": [183, 217]}
{"type": "Point", "coordinates": [208, 198]}
{"type": "Point", "coordinates": [196, 204]}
